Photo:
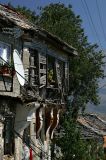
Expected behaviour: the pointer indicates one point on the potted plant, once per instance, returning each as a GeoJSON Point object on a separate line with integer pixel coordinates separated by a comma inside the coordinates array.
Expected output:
{"type": "Point", "coordinates": [51, 81]}
{"type": "Point", "coordinates": [7, 70]}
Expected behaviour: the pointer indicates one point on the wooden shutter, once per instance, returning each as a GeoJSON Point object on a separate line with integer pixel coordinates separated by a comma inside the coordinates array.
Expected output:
{"type": "Point", "coordinates": [42, 69]}
{"type": "Point", "coordinates": [26, 63]}
{"type": "Point", "coordinates": [34, 76]}
{"type": "Point", "coordinates": [58, 73]}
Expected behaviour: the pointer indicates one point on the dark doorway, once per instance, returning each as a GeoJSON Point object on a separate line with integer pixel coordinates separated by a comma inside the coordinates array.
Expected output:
{"type": "Point", "coordinates": [8, 136]}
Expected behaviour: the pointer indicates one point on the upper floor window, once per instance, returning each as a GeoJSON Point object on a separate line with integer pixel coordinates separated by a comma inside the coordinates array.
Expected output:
{"type": "Point", "coordinates": [60, 72]}
{"type": "Point", "coordinates": [4, 53]}
{"type": "Point", "coordinates": [56, 72]}
{"type": "Point", "coordinates": [51, 71]}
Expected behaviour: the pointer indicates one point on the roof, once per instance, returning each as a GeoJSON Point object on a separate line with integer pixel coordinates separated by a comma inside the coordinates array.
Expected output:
{"type": "Point", "coordinates": [19, 20]}
{"type": "Point", "coordinates": [93, 123]}
{"type": "Point", "coordinates": [15, 17]}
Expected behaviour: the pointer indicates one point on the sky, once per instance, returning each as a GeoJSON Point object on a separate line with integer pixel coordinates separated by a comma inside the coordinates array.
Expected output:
{"type": "Point", "coordinates": [92, 13]}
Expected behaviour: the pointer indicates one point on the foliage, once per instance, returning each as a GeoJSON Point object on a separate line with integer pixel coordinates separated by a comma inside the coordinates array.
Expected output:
{"type": "Point", "coordinates": [50, 76]}
{"type": "Point", "coordinates": [72, 144]}
{"type": "Point", "coordinates": [87, 68]}
{"type": "Point", "coordinates": [31, 15]}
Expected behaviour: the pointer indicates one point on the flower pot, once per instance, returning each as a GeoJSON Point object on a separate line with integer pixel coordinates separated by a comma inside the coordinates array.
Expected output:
{"type": "Point", "coordinates": [6, 71]}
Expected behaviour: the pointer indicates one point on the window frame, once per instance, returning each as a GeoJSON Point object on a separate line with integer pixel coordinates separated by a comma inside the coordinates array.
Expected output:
{"type": "Point", "coordinates": [9, 60]}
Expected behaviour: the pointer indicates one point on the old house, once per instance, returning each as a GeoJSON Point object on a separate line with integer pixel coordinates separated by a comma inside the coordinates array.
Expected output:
{"type": "Point", "coordinates": [92, 126]}
{"type": "Point", "coordinates": [30, 102]}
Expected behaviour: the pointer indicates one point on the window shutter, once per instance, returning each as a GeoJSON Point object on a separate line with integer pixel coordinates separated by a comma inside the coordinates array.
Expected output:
{"type": "Point", "coordinates": [42, 69]}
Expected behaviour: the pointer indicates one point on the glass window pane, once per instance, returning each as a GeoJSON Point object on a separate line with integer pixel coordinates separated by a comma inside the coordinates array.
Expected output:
{"type": "Point", "coordinates": [4, 52]}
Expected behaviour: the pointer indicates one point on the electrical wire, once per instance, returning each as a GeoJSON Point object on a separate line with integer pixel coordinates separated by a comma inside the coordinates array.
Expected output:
{"type": "Point", "coordinates": [14, 130]}
{"type": "Point", "coordinates": [40, 148]}
{"type": "Point", "coordinates": [32, 144]}
{"type": "Point", "coordinates": [96, 33]}
{"type": "Point", "coordinates": [102, 87]}
{"type": "Point", "coordinates": [88, 18]}
{"type": "Point", "coordinates": [35, 145]}
{"type": "Point", "coordinates": [34, 91]}
{"type": "Point", "coordinates": [28, 145]}
{"type": "Point", "coordinates": [100, 20]}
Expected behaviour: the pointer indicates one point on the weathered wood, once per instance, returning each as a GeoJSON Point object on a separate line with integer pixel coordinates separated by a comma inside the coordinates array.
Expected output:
{"type": "Point", "coordinates": [26, 56]}
{"type": "Point", "coordinates": [32, 60]}
{"type": "Point", "coordinates": [36, 44]}
{"type": "Point", "coordinates": [58, 74]}
{"type": "Point", "coordinates": [33, 69]}
{"type": "Point", "coordinates": [43, 80]}
{"type": "Point", "coordinates": [92, 125]}
{"type": "Point", "coordinates": [43, 71]}
{"type": "Point", "coordinates": [32, 72]}
{"type": "Point", "coordinates": [57, 55]}
{"type": "Point", "coordinates": [42, 59]}
{"type": "Point", "coordinates": [26, 75]}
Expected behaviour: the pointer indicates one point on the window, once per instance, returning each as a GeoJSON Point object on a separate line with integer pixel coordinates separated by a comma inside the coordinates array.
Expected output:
{"type": "Point", "coordinates": [51, 71]}
{"type": "Point", "coordinates": [56, 72]}
{"type": "Point", "coordinates": [4, 53]}
{"type": "Point", "coordinates": [60, 71]}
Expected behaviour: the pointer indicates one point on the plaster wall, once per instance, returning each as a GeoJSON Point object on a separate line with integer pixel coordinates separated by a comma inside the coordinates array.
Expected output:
{"type": "Point", "coordinates": [14, 44]}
